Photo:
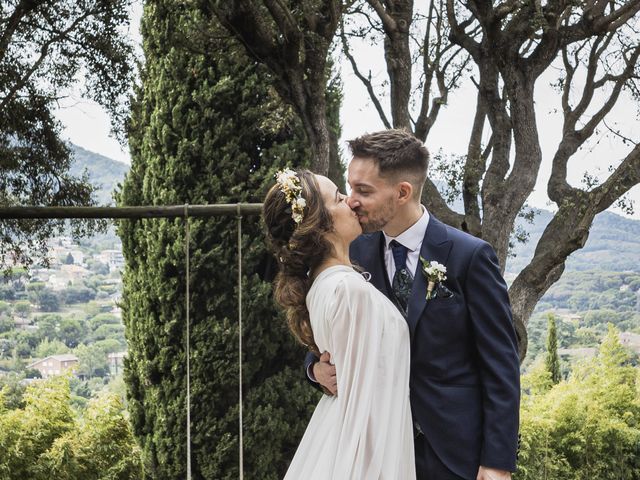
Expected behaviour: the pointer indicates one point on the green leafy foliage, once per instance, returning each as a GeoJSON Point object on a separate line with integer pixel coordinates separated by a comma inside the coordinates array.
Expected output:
{"type": "Point", "coordinates": [50, 347]}
{"type": "Point", "coordinates": [583, 303]}
{"type": "Point", "coordinates": [586, 426]}
{"type": "Point", "coordinates": [552, 360]}
{"type": "Point", "coordinates": [44, 439]}
{"type": "Point", "coordinates": [92, 360]}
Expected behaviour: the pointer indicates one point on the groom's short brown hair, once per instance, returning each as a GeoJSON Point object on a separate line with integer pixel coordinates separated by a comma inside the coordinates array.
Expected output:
{"type": "Point", "coordinates": [398, 154]}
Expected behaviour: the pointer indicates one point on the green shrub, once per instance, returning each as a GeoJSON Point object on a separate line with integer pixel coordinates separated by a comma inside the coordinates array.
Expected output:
{"type": "Point", "coordinates": [587, 426]}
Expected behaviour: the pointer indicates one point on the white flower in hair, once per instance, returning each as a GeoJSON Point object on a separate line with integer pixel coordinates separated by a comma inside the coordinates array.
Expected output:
{"type": "Point", "coordinates": [289, 184]}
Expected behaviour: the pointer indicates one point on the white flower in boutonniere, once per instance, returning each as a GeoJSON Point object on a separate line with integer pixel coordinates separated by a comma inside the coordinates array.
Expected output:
{"type": "Point", "coordinates": [435, 273]}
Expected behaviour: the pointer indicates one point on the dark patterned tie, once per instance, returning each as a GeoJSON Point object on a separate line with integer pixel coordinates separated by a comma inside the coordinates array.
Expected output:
{"type": "Point", "coordinates": [402, 279]}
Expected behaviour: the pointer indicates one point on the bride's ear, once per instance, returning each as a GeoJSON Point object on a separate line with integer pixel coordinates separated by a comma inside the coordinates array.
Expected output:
{"type": "Point", "coordinates": [405, 192]}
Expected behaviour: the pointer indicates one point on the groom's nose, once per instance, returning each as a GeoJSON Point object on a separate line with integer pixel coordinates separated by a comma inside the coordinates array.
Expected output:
{"type": "Point", "coordinates": [353, 204]}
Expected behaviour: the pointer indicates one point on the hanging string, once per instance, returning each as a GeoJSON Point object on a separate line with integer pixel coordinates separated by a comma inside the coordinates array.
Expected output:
{"type": "Point", "coordinates": [240, 440]}
{"type": "Point", "coordinates": [188, 350]}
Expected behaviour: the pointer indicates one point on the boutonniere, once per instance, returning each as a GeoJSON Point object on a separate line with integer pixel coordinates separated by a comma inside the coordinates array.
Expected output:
{"type": "Point", "coordinates": [435, 273]}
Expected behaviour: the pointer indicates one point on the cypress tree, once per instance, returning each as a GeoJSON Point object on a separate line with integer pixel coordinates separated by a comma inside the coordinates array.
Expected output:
{"type": "Point", "coordinates": [206, 127]}
{"type": "Point", "coordinates": [552, 360]}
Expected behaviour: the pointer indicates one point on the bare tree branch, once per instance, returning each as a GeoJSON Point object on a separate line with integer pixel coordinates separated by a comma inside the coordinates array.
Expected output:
{"type": "Point", "coordinates": [388, 22]}
{"type": "Point", "coordinates": [434, 202]}
{"type": "Point", "coordinates": [567, 232]}
{"type": "Point", "coordinates": [365, 81]}
{"type": "Point", "coordinates": [283, 18]}
{"type": "Point", "coordinates": [617, 133]}
{"type": "Point", "coordinates": [573, 138]}
{"type": "Point", "coordinates": [23, 8]}
{"type": "Point", "coordinates": [396, 20]}
{"type": "Point", "coordinates": [295, 48]}
{"type": "Point", "coordinates": [458, 34]}
{"type": "Point", "coordinates": [474, 169]}
{"type": "Point", "coordinates": [433, 65]}
{"type": "Point", "coordinates": [625, 177]}
{"type": "Point", "coordinates": [44, 52]}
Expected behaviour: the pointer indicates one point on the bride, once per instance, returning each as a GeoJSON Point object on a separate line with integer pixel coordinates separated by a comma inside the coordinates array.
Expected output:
{"type": "Point", "coordinates": [365, 432]}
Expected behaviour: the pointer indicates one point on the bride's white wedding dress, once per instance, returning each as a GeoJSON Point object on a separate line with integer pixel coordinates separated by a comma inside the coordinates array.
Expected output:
{"type": "Point", "coordinates": [365, 432]}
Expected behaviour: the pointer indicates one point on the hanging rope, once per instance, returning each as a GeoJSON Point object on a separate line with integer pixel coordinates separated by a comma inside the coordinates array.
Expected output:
{"type": "Point", "coordinates": [188, 350]}
{"type": "Point", "coordinates": [240, 442]}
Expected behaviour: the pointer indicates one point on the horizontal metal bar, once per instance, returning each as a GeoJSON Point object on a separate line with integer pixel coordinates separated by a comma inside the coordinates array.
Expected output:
{"type": "Point", "coordinates": [168, 211]}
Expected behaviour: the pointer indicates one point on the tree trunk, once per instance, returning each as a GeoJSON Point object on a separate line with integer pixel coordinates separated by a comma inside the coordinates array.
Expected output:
{"type": "Point", "coordinates": [398, 58]}
{"type": "Point", "coordinates": [567, 232]}
{"type": "Point", "coordinates": [318, 133]}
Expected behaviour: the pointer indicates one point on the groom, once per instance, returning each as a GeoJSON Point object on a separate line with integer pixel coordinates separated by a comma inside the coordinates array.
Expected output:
{"type": "Point", "coordinates": [464, 381]}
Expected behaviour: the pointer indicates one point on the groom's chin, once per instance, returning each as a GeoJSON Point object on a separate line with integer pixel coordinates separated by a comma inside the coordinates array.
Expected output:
{"type": "Point", "coordinates": [368, 228]}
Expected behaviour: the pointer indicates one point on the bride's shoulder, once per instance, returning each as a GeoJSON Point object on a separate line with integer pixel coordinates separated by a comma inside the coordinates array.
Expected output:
{"type": "Point", "coordinates": [339, 278]}
{"type": "Point", "coordinates": [352, 282]}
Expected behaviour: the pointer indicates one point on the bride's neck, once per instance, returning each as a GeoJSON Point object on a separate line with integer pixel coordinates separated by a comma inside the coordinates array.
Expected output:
{"type": "Point", "coordinates": [339, 256]}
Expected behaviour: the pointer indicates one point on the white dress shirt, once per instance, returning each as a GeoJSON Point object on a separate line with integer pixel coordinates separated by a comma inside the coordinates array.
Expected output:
{"type": "Point", "coordinates": [412, 239]}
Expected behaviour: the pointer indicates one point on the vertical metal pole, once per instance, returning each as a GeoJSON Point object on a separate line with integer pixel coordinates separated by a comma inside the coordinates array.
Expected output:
{"type": "Point", "coordinates": [240, 440]}
{"type": "Point", "coordinates": [188, 350]}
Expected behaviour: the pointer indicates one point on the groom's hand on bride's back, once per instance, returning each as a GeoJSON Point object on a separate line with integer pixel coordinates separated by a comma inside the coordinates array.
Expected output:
{"type": "Point", "coordinates": [325, 374]}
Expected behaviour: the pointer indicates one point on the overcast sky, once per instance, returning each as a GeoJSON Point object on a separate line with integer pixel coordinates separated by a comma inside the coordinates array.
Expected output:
{"type": "Point", "coordinates": [87, 125]}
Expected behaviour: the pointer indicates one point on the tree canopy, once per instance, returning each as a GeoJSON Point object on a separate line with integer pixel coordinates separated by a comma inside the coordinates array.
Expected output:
{"type": "Point", "coordinates": [46, 48]}
{"type": "Point", "coordinates": [585, 426]}
{"type": "Point", "coordinates": [43, 438]}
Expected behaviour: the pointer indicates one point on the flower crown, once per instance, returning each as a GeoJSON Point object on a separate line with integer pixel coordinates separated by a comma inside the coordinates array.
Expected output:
{"type": "Point", "coordinates": [289, 184]}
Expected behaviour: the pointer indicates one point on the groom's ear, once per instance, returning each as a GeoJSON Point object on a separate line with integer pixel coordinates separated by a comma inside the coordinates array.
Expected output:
{"type": "Point", "coordinates": [405, 192]}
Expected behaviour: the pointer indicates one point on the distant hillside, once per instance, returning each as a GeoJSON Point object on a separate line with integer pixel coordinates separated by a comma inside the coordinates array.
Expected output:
{"type": "Point", "coordinates": [104, 172]}
{"type": "Point", "coordinates": [613, 245]}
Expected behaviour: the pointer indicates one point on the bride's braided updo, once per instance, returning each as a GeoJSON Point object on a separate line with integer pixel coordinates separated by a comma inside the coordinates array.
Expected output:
{"type": "Point", "coordinates": [299, 248]}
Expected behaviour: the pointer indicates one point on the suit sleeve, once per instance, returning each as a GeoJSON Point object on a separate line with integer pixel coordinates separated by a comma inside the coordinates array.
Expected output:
{"type": "Point", "coordinates": [497, 352]}
{"type": "Point", "coordinates": [309, 360]}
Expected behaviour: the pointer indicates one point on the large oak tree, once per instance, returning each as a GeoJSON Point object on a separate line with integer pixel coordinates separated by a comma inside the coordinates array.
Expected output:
{"type": "Point", "coordinates": [503, 48]}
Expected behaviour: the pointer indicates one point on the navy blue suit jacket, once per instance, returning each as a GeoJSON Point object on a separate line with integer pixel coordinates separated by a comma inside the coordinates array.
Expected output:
{"type": "Point", "coordinates": [465, 371]}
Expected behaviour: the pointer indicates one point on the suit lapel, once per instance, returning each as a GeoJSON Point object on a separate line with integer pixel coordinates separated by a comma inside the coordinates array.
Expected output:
{"type": "Point", "coordinates": [435, 246]}
{"type": "Point", "coordinates": [371, 258]}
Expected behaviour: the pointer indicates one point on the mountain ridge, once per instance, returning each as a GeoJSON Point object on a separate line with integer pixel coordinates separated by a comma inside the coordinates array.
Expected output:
{"type": "Point", "coordinates": [104, 173]}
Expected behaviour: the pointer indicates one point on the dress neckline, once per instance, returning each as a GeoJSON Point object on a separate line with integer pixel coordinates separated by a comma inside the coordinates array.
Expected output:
{"type": "Point", "coordinates": [332, 268]}
{"type": "Point", "coordinates": [366, 276]}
